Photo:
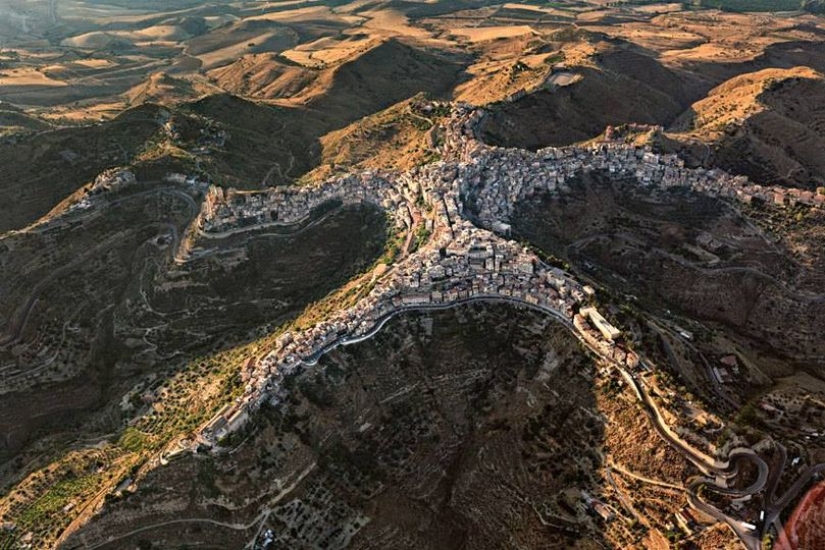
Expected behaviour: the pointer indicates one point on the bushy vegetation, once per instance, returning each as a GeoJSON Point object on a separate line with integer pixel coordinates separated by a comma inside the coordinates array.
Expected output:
{"type": "Point", "coordinates": [422, 235]}
{"type": "Point", "coordinates": [814, 6]}
{"type": "Point", "coordinates": [50, 498]}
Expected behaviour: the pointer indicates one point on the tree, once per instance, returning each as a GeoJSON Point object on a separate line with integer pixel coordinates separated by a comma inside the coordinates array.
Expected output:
{"type": "Point", "coordinates": [813, 6]}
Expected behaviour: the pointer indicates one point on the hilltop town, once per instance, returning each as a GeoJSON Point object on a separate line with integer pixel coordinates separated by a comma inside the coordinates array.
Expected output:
{"type": "Point", "coordinates": [461, 210]}
{"type": "Point", "coordinates": [458, 261]}
{"type": "Point", "coordinates": [454, 217]}
{"type": "Point", "coordinates": [403, 274]}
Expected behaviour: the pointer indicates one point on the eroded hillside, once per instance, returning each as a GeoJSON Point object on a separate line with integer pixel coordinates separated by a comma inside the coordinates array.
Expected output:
{"type": "Point", "coordinates": [170, 219]}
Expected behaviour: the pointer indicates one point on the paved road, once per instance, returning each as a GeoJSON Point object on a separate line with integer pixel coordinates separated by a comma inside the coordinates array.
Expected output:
{"type": "Point", "coordinates": [776, 473]}
{"type": "Point", "coordinates": [234, 526]}
{"type": "Point", "coordinates": [742, 531]}
{"type": "Point", "coordinates": [711, 467]}
{"type": "Point", "coordinates": [384, 319]}
{"type": "Point", "coordinates": [621, 469]}
{"type": "Point", "coordinates": [773, 511]}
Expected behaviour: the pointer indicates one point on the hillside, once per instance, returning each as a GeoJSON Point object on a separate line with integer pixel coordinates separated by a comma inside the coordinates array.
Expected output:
{"type": "Point", "coordinates": [617, 84]}
{"type": "Point", "coordinates": [768, 125]}
{"type": "Point", "coordinates": [262, 76]}
{"type": "Point", "coordinates": [163, 89]}
{"type": "Point", "coordinates": [41, 172]}
{"type": "Point", "coordinates": [508, 66]}
{"type": "Point", "coordinates": [281, 141]}
{"type": "Point", "coordinates": [200, 315]}
{"type": "Point", "coordinates": [14, 120]}
{"type": "Point", "coordinates": [229, 41]}
{"type": "Point", "coordinates": [388, 72]}
{"type": "Point", "coordinates": [398, 138]}
{"type": "Point", "coordinates": [404, 468]}
{"type": "Point", "coordinates": [265, 145]}
{"type": "Point", "coordinates": [267, 283]}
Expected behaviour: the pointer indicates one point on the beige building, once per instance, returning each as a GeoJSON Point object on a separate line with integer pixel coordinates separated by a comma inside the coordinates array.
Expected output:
{"type": "Point", "coordinates": [608, 331]}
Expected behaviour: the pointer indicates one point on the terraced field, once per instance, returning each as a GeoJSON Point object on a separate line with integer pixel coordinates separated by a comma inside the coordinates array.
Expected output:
{"type": "Point", "coordinates": [389, 435]}
{"type": "Point", "coordinates": [687, 253]}
{"type": "Point", "coordinates": [73, 341]}
{"type": "Point", "coordinates": [478, 427]}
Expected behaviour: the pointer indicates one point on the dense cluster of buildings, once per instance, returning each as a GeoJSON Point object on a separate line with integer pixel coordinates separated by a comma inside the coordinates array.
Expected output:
{"type": "Point", "coordinates": [498, 178]}
{"type": "Point", "coordinates": [225, 210]}
{"type": "Point", "coordinates": [112, 179]}
{"type": "Point", "coordinates": [461, 261]}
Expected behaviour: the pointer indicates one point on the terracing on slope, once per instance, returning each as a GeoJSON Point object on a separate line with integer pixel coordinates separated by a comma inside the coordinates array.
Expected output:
{"type": "Point", "coordinates": [478, 425]}
{"type": "Point", "coordinates": [477, 265]}
{"type": "Point", "coordinates": [80, 359]}
{"type": "Point", "coordinates": [446, 427]}
{"type": "Point", "coordinates": [477, 182]}
{"type": "Point", "coordinates": [70, 292]}
{"type": "Point", "coordinates": [242, 166]}
{"type": "Point", "coordinates": [694, 257]}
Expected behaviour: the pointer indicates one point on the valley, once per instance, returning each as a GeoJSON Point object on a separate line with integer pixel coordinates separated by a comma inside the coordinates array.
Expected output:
{"type": "Point", "coordinates": [400, 274]}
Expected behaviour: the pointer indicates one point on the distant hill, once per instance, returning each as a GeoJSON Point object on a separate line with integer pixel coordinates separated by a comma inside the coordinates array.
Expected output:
{"type": "Point", "coordinates": [13, 120]}
{"type": "Point", "coordinates": [752, 5]}
{"type": "Point", "coordinates": [262, 76]}
{"type": "Point", "coordinates": [396, 138]}
{"type": "Point", "coordinates": [383, 75]}
{"type": "Point", "coordinates": [161, 88]}
{"type": "Point", "coordinates": [618, 85]}
{"type": "Point", "coordinates": [276, 144]}
{"type": "Point", "coordinates": [265, 144]}
{"type": "Point", "coordinates": [232, 40]}
{"type": "Point", "coordinates": [39, 173]}
{"type": "Point", "coordinates": [509, 66]}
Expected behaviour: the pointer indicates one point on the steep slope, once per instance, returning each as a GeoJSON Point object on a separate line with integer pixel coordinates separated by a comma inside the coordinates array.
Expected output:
{"type": "Point", "coordinates": [618, 84]}
{"type": "Point", "coordinates": [507, 67]}
{"type": "Point", "coordinates": [41, 172]}
{"type": "Point", "coordinates": [14, 120]}
{"type": "Point", "coordinates": [161, 88]}
{"type": "Point", "coordinates": [382, 76]}
{"type": "Point", "coordinates": [89, 280]}
{"type": "Point", "coordinates": [225, 44]}
{"type": "Point", "coordinates": [398, 138]}
{"type": "Point", "coordinates": [275, 144]}
{"type": "Point", "coordinates": [265, 145]}
{"type": "Point", "coordinates": [439, 433]}
{"type": "Point", "coordinates": [262, 76]}
{"type": "Point", "coordinates": [768, 125]}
